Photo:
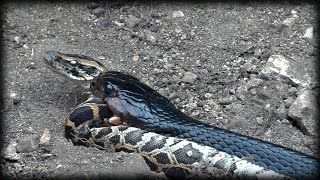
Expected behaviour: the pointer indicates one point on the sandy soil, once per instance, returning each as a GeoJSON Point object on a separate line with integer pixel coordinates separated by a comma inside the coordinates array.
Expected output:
{"type": "Point", "coordinates": [197, 55]}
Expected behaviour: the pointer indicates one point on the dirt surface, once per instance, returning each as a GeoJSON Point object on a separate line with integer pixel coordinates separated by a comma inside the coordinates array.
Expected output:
{"type": "Point", "coordinates": [197, 55]}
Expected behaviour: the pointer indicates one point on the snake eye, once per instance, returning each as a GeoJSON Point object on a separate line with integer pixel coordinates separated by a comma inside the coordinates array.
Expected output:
{"type": "Point", "coordinates": [111, 90]}
{"type": "Point", "coordinates": [108, 89]}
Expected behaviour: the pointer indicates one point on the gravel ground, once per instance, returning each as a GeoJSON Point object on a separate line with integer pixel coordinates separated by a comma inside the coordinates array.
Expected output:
{"type": "Point", "coordinates": [206, 58]}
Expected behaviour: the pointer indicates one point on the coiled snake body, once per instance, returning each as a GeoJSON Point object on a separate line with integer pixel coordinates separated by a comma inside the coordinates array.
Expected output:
{"type": "Point", "coordinates": [137, 105]}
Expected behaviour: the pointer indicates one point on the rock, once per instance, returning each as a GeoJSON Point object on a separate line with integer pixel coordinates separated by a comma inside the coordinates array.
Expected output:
{"type": "Point", "coordinates": [227, 100]}
{"type": "Point", "coordinates": [288, 102]}
{"type": "Point", "coordinates": [292, 91]}
{"type": "Point", "coordinates": [135, 58]}
{"type": "Point", "coordinates": [243, 72]}
{"type": "Point", "coordinates": [232, 91]}
{"type": "Point", "coordinates": [162, 91]}
{"type": "Point", "coordinates": [183, 37]}
{"type": "Point", "coordinates": [173, 95]}
{"type": "Point", "coordinates": [281, 112]}
{"type": "Point", "coordinates": [212, 89]}
{"type": "Point", "coordinates": [98, 11]}
{"type": "Point", "coordinates": [259, 120]}
{"type": "Point", "coordinates": [101, 57]}
{"type": "Point", "coordinates": [45, 137]}
{"type": "Point", "coordinates": [264, 96]}
{"type": "Point", "coordinates": [308, 33]}
{"type": "Point", "coordinates": [189, 77]}
{"type": "Point", "coordinates": [295, 72]}
{"type": "Point", "coordinates": [28, 144]}
{"type": "Point", "coordinates": [10, 151]}
{"type": "Point", "coordinates": [46, 155]}
{"type": "Point", "coordinates": [253, 91]}
{"type": "Point", "coordinates": [249, 66]}
{"type": "Point", "coordinates": [253, 83]}
{"type": "Point", "coordinates": [93, 5]}
{"type": "Point", "coordinates": [131, 21]}
{"type": "Point", "coordinates": [242, 92]}
{"type": "Point", "coordinates": [16, 98]}
{"type": "Point", "coordinates": [32, 65]}
{"type": "Point", "coordinates": [17, 168]}
{"type": "Point", "coordinates": [289, 21]}
{"type": "Point", "coordinates": [150, 36]}
{"type": "Point", "coordinates": [154, 28]}
{"type": "Point", "coordinates": [208, 95]}
{"type": "Point", "coordinates": [17, 39]}
{"type": "Point", "coordinates": [119, 24]}
{"type": "Point", "coordinates": [213, 105]}
{"type": "Point", "coordinates": [177, 14]}
{"type": "Point", "coordinates": [239, 122]}
{"type": "Point", "coordinates": [304, 112]}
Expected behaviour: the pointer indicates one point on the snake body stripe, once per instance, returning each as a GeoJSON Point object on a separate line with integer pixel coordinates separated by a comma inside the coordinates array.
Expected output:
{"type": "Point", "coordinates": [169, 152]}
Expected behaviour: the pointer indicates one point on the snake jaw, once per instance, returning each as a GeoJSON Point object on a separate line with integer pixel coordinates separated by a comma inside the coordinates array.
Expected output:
{"type": "Point", "coordinates": [79, 68]}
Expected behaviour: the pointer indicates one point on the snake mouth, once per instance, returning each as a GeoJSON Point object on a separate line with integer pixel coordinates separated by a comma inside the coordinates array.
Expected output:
{"type": "Point", "coordinates": [79, 68]}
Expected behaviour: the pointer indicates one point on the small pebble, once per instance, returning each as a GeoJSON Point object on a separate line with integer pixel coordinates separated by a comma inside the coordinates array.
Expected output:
{"type": "Point", "coordinates": [253, 91]}
{"type": "Point", "coordinates": [225, 100]}
{"type": "Point", "coordinates": [10, 152]}
{"type": "Point", "coordinates": [253, 83]}
{"type": "Point", "coordinates": [242, 92]}
{"type": "Point", "coordinates": [150, 37]}
{"type": "Point", "coordinates": [131, 21]}
{"type": "Point", "coordinates": [154, 28]}
{"type": "Point", "coordinates": [208, 95]}
{"type": "Point", "coordinates": [189, 77]}
{"type": "Point", "coordinates": [85, 161]}
{"type": "Point", "coordinates": [308, 33]}
{"type": "Point", "coordinates": [98, 11]}
{"type": "Point", "coordinates": [178, 30]}
{"type": "Point", "coordinates": [281, 112]}
{"type": "Point", "coordinates": [16, 99]}
{"type": "Point", "coordinates": [46, 155]}
{"type": "Point", "coordinates": [31, 65]}
{"type": "Point", "coordinates": [177, 14]}
{"type": "Point", "coordinates": [259, 120]}
{"type": "Point", "coordinates": [288, 102]}
{"type": "Point", "coordinates": [101, 57]}
{"type": "Point", "coordinates": [45, 137]}
{"type": "Point", "coordinates": [135, 58]}
{"type": "Point", "coordinates": [173, 96]}
{"type": "Point", "coordinates": [285, 121]}
{"type": "Point", "coordinates": [289, 21]}
{"type": "Point", "coordinates": [17, 39]}
{"type": "Point", "coordinates": [293, 91]}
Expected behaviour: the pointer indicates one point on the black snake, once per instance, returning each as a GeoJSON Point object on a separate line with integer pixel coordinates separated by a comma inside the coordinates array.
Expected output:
{"type": "Point", "coordinates": [138, 105]}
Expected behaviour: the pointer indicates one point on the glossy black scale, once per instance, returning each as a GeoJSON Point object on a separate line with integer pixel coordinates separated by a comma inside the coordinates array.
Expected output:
{"type": "Point", "coordinates": [147, 109]}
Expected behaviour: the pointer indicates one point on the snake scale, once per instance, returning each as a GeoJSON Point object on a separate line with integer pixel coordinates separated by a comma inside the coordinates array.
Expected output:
{"type": "Point", "coordinates": [136, 105]}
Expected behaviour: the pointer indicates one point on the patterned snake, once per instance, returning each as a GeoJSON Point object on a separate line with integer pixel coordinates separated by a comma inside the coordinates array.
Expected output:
{"type": "Point", "coordinates": [121, 99]}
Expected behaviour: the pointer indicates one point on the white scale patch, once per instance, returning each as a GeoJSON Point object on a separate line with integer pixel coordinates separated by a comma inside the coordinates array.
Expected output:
{"type": "Point", "coordinates": [189, 153]}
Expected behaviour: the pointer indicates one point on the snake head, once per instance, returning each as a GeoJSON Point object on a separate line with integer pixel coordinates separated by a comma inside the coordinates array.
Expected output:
{"type": "Point", "coordinates": [79, 68]}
